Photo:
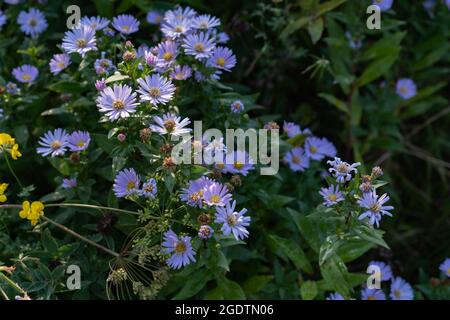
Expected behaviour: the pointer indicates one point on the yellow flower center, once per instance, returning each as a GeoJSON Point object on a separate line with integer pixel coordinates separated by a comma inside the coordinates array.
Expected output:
{"type": "Point", "coordinates": [178, 29]}
{"type": "Point", "coordinates": [26, 77]}
{"type": "Point", "coordinates": [195, 196]}
{"type": "Point", "coordinates": [167, 56]}
{"type": "Point", "coordinates": [126, 28]}
{"type": "Point", "coordinates": [403, 90]}
{"type": "Point", "coordinates": [332, 197]}
{"type": "Point", "coordinates": [342, 168]}
{"type": "Point", "coordinates": [238, 165]}
{"type": "Point", "coordinates": [397, 293]}
{"type": "Point", "coordinates": [131, 185]}
{"type": "Point", "coordinates": [61, 64]}
{"type": "Point", "coordinates": [199, 47]}
{"type": "Point", "coordinates": [81, 43]}
{"type": "Point", "coordinates": [371, 298]}
{"type": "Point", "coordinates": [148, 188]}
{"type": "Point", "coordinates": [180, 247]}
{"type": "Point", "coordinates": [169, 124]}
{"type": "Point", "coordinates": [231, 220]}
{"type": "Point", "coordinates": [313, 149]}
{"type": "Point", "coordinates": [32, 22]}
{"type": "Point", "coordinates": [220, 61]}
{"type": "Point", "coordinates": [220, 166]}
{"type": "Point", "coordinates": [215, 198]}
{"type": "Point", "coordinates": [295, 159]}
{"type": "Point", "coordinates": [118, 104]}
{"type": "Point", "coordinates": [80, 143]}
{"type": "Point", "coordinates": [154, 92]}
{"type": "Point", "coordinates": [375, 207]}
{"type": "Point", "coordinates": [56, 144]}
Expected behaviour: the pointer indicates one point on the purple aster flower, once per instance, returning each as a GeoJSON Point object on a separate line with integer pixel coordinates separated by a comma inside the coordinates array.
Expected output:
{"type": "Point", "coordinates": [222, 58]}
{"type": "Point", "coordinates": [109, 32]}
{"type": "Point", "coordinates": [319, 148]}
{"type": "Point", "coordinates": [154, 17]}
{"type": "Point", "coordinates": [293, 129]}
{"type": "Point", "coordinates": [156, 89]}
{"type": "Point", "coordinates": [216, 194]}
{"type": "Point", "coordinates": [180, 248]}
{"type": "Point", "coordinates": [59, 62]}
{"type": "Point", "coordinates": [100, 84]}
{"type": "Point", "coordinates": [181, 72]}
{"type": "Point", "coordinates": [237, 106]}
{"type": "Point", "coordinates": [96, 23]}
{"type": "Point", "coordinates": [12, 88]}
{"type": "Point", "coordinates": [170, 124]}
{"type": "Point", "coordinates": [401, 290]}
{"type": "Point", "coordinates": [3, 19]}
{"type": "Point", "coordinates": [149, 188]}
{"type": "Point", "coordinates": [353, 42]}
{"type": "Point", "coordinates": [81, 40]}
{"type": "Point", "coordinates": [25, 73]}
{"type": "Point", "coordinates": [331, 195]}
{"type": "Point", "coordinates": [205, 21]}
{"type": "Point", "coordinates": [335, 296]}
{"type": "Point", "coordinates": [180, 13]}
{"type": "Point", "coordinates": [342, 170]}
{"type": "Point", "coordinates": [374, 206]}
{"type": "Point", "coordinates": [79, 141]}
{"type": "Point", "coordinates": [233, 221]}
{"type": "Point", "coordinates": [429, 6]}
{"type": "Point", "coordinates": [175, 28]}
{"type": "Point", "coordinates": [406, 88]}
{"type": "Point", "coordinates": [372, 294]}
{"type": "Point", "coordinates": [193, 193]}
{"type": "Point", "coordinates": [239, 162]}
{"type": "Point", "coordinates": [385, 270]}
{"type": "Point", "coordinates": [384, 5]}
{"type": "Point", "coordinates": [117, 102]}
{"type": "Point", "coordinates": [126, 183]}
{"type": "Point", "coordinates": [53, 143]}
{"type": "Point", "coordinates": [205, 232]}
{"type": "Point", "coordinates": [69, 183]}
{"type": "Point", "coordinates": [445, 267]}
{"type": "Point", "coordinates": [125, 24]}
{"type": "Point", "coordinates": [167, 51]}
{"type": "Point", "coordinates": [32, 22]}
{"type": "Point", "coordinates": [447, 2]}
{"type": "Point", "coordinates": [199, 45]}
{"type": "Point", "coordinates": [297, 159]}
{"type": "Point", "coordinates": [103, 65]}
{"type": "Point", "coordinates": [215, 151]}
{"type": "Point", "coordinates": [222, 37]}
{"type": "Point", "coordinates": [152, 60]}
{"type": "Point", "coordinates": [13, 2]}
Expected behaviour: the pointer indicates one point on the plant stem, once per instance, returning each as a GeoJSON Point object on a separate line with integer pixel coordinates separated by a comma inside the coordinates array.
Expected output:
{"type": "Point", "coordinates": [12, 283]}
{"type": "Point", "coordinates": [90, 206]}
{"type": "Point", "coordinates": [12, 171]}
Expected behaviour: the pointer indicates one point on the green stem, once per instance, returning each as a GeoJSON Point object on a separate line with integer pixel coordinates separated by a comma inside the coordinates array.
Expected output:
{"type": "Point", "coordinates": [12, 284]}
{"type": "Point", "coordinates": [12, 171]}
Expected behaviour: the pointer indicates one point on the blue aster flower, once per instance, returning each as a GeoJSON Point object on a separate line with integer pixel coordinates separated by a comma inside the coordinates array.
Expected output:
{"type": "Point", "coordinates": [223, 37]}
{"type": "Point", "coordinates": [375, 207]}
{"type": "Point", "coordinates": [156, 89]}
{"type": "Point", "coordinates": [12, 88]}
{"type": "Point", "coordinates": [335, 296]}
{"type": "Point", "coordinates": [154, 17]}
{"type": "Point", "coordinates": [447, 2]}
{"type": "Point", "coordinates": [385, 270]}
{"type": "Point", "coordinates": [237, 106]}
{"type": "Point", "coordinates": [181, 72]}
{"type": "Point", "coordinates": [205, 21]}
{"type": "Point", "coordinates": [103, 65]}
{"type": "Point", "coordinates": [193, 193]}
{"type": "Point", "coordinates": [199, 45]}
{"type": "Point", "coordinates": [401, 290]}
{"type": "Point", "coordinates": [292, 129]}
{"type": "Point", "coordinates": [80, 40]}
{"type": "Point", "coordinates": [126, 24]}
{"type": "Point", "coordinates": [79, 141]}
{"type": "Point", "coordinates": [216, 194]}
{"type": "Point", "coordinates": [331, 195]}
{"type": "Point", "coordinates": [445, 267]}
{"type": "Point", "coordinates": [384, 5]}
{"type": "Point", "coordinates": [117, 102]}
{"type": "Point", "coordinates": [3, 19]}
{"type": "Point", "coordinates": [297, 159]}
{"type": "Point", "coordinates": [205, 232]}
{"type": "Point", "coordinates": [222, 58]}
{"type": "Point", "coordinates": [167, 52]}
{"type": "Point", "coordinates": [53, 143]}
{"type": "Point", "coordinates": [180, 248]}
{"type": "Point", "coordinates": [372, 294]}
{"type": "Point", "coordinates": [25, 73]}
{"type": "Point", "coordinates": [59, 62]}
{"type": "Point", "coordinates": [149, 188]}
{"type": "Point", "coordinates": [100, 84]}
{"type": "Point", "coordinates": [239, 162]}
{"type": "Point", "coordinates": [342, 170]}
{"type": "Point", "coordinates": [353, 42]}
{"type": "Point", "coordinates": [175, 28]}
{"type": "Point", "coordinates": [32, 22]}
{"type": "Point", "coordinates": [96, 23]}
{"type": "Point", "coordinates": [406, 88]}
{"type": "Point", "coordinates": [232, 221]}
{"type": "Point", "coordinates": [429, 6]}
{"type": "Point", "coordinates": [171, 124]}
{"type": "Point", "coordinates": [69, 183]}
{"type": "Point", "coordinates": [319, 148]}
{"type": "Point", "coordinates": [126, 183]}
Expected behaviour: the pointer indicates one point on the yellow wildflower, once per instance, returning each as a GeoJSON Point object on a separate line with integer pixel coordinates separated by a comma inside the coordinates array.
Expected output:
{"type": "Point", "coordinates": [15, 153]}
{"type": "Point", "coordinates": [3, 187]}
{"type": "Point", "coordinates": [32, 212]}
{"type": "Point", "coordinates": [6, 140]}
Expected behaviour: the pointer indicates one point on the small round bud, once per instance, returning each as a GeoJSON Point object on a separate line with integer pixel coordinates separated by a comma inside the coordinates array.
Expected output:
{"type": "Point", "coordinates": [129, 44]}
{"type": "Point", "coordinates": [145, 134]}
{"type": "Point", "coordinates": [366, 178]}
{"type": "Point", "coordinates": [129, 55]}
{"type": "Point", "coordinates": [204, 218]}
{"type": "Point", "coordinates": [168, 163]}
{"type": "Point", "coordinates": [236, 180]}
{"type": "Point", "coordinates": [271, 125]}
{"type": "Point", "coordinates": [377, 172]}
{"type": "Point", "coordinates": [205, 232]}
{"type": "Point", "coordinates": [121, 137]}
{"type": "Point", "coordinates": [166, 148]}
{"type": "Point", "coordinates": [366, 187]}
{"type": "Point", "coordinates": [75, 157]}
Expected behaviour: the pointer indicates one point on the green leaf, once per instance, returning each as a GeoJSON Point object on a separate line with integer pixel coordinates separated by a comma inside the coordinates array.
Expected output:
{"type": "Point", "coordinates": [351, 250]}
{"type": "Point", "coordinates": [230, 289]}
{"type": "Point", "coordinates": [49, 243]}
{"type": "Point", "coordinates": [61, 165]}
{"type": "Point", "coordinates": [377, 68]}
{"type": "Point", "coordinates": [329, 248]}
{"type": "Point", "coordinates": [334, 274]}
{"type": "Point", "coordinates": [293, 251]}
{"type": "Point", "coordinates": [116, 77]}
{"type": "Point", "coordinates": [66, 86]}
{"type": "Point", "coordinates": [194, 283]}
{"type": "Point", "coordinates": [256, 283]}
{"type": "Point", "coordinates": [315, 29]}
{"type": "Point", "coordinates": [308, 290]}
{"type": "Point", "coordinates": [339, 104]}
{"type": "Point", "coordinates": [370, 234]}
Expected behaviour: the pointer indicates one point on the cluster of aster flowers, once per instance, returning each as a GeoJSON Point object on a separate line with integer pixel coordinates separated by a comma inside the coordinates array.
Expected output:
{"type": "Point", "coordinates": [308, 147]}
{"type": "Point", "coordinates": [400, 289]}
{"type": "Point", "coordinates": [58, 142]}
{"type": "Point", "coordinates": [128, 184]}
{"type": "Point", "coordinates": [363, 191]}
